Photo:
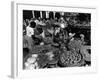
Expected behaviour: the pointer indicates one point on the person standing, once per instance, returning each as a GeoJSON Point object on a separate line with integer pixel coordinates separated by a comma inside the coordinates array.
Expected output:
{"type": "Point", "coordinates": [29, 32]}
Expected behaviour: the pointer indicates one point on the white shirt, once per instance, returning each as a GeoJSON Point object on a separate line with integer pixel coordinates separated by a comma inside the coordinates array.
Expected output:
{"type": "Point", "coordinates": [43, 34]}
{"type": "Point", "coordinates": [29, 31]}
{"type": "Point", "coordinates": [62, 25]}
{"type": "Point", "coordinates": [57, 31]}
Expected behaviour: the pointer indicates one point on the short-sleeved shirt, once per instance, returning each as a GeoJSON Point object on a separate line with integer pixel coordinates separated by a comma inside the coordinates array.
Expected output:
{"type": "Point", "coordinates": [29, 31]}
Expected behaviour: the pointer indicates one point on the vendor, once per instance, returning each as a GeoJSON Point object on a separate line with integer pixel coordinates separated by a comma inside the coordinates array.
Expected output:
{"type": "Point", "coordinates": [29, 32]}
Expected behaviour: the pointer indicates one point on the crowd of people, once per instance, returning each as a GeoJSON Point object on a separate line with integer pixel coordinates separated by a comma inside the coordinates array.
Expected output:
{"type": "Point", "coordinates": [49, 43]}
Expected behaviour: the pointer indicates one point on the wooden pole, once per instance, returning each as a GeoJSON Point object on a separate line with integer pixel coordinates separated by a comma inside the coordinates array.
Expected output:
{"type": "Point", "coordinates": [41, 14]}
{"type": "Point", "coordinates": [33, 14]}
